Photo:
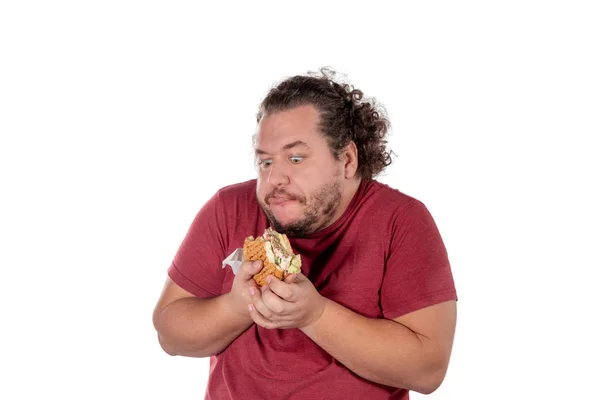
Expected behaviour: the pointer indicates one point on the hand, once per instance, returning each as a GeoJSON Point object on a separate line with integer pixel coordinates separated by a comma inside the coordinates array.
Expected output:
{"type": "Point", "coordinates": [292, 303]}
{"type": "Point", "coordinates": [239, 296]}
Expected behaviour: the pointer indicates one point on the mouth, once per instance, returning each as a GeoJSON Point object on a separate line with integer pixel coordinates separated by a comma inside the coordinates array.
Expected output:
{"type": "Point", "coordinates": [279, 201]}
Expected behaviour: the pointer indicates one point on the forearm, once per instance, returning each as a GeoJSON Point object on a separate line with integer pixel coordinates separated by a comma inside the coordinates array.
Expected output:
{"type": "Point", "coordinates": [379, 350]}
{"type": "Point", "coordinates": [199, 327]}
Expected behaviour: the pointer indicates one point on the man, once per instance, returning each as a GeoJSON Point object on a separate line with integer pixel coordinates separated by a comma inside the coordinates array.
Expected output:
{"type": "Point", "coordinates": [373, 312]}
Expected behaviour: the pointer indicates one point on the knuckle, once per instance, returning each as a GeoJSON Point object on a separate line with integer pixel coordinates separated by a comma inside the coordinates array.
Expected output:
{"type": "Point", "coordinates": [274, 305]}
{"type": "Point", "coordinates": [266, 312]}
{"type": "Point", "coordinates": [277, 308]}
{"type": "Point", "coordinates": [248, 266]}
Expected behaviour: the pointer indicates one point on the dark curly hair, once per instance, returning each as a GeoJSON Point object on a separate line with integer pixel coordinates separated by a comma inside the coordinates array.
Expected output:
{"type": "Point", "coordinates": [345, 116]}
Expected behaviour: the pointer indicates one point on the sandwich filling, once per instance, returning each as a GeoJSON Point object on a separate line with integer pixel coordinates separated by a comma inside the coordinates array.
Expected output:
{"type": "Point", "coordinates": [279, 252]}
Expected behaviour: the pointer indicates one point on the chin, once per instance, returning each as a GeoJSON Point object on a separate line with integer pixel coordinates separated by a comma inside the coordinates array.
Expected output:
{"type": "Point", "coordinates": [288, 212]}
{"type": "Point", "coordinates": [286, 219]}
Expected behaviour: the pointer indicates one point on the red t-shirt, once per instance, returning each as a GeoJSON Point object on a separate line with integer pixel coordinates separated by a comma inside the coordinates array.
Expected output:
{"type": "Point", "coordinates": [383, 258]}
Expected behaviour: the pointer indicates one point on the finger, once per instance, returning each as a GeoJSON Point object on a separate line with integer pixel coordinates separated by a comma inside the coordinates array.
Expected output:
{"type": "Point", "coordinates": [263, 321]}
{"type": "Point", "coordinates": [264, 287]}
{"type": "Point", "coordinates": [249, 268]}
{"type": "Point", "coordinates": [260, 319]}
{"type": "Point", "coordinates": [256, 296]}
{"type": "Point", "coordinates": [282, 289]}
{"type": "Point", "coordinates": [275, 304]}
{"type": "Point", "coordinates": [294, 278]}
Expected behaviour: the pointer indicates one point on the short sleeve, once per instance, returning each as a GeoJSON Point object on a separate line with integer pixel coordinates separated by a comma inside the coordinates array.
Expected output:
{"type": "Point", "coordinates": [417, 272]}
{"type": "Point", "coordinates": [197, 265]}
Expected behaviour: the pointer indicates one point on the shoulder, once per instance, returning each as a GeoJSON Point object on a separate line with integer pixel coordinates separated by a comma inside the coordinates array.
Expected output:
{"type": "Point", "coordinates": [238, 192]}
{"type": "Point", "coordinates": [239, 188]}
{"type": "Point", "coordinates": [390, 209]}
{"type": "Point", "coordinates": [240, 211]}
{"type": "Point", "coordinates": [387, 198]}
{"type": "Point", "coordinates": [237, 203]}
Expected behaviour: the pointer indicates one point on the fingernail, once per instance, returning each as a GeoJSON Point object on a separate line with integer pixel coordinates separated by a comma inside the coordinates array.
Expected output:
{"type": "Point", "coordinates": [250, 308]}
{"type": "Point", "coordinates": [256, 263]}
{"type": "Point", "coordinates": [252, 291]}
{"type": "Point", "coordinates": [269, 279]}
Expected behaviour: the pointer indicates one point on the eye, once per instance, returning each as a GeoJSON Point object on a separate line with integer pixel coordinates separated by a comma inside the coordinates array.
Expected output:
{"type": "Point", "coordinates": [296, 159]}
{"type": "Point", "coordinates": [264, 164]}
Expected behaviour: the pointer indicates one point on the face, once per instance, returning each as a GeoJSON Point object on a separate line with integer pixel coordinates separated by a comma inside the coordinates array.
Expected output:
{"type": "Point", "coordinates": [300, 184]}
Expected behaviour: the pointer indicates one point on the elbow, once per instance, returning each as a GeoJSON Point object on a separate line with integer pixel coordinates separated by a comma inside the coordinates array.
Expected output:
{"type": "Point", "coordinates": [167, 348]}
{"type": "Point", "coordinates": [427, 389]}
{"type": "Point", "coordinates": [170, 350]}
{"type": "Point", "coordinates": [177, 348]}
{"type": "Point", "coordinates": [159, 325]}
{"type": "Point", "coordinates": [431, 382]}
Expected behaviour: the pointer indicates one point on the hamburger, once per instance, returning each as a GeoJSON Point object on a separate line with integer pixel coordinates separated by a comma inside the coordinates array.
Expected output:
{"type": "Point", "coordinates": [275, 251]}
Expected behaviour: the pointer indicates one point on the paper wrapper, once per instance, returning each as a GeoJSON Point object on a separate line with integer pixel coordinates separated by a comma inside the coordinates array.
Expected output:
{"type": "Point", "coordinates": [234, 260]}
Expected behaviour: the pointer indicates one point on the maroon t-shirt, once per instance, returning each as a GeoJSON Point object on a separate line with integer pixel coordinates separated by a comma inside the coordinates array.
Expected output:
{"type": "Point", "coordinates": [383, 258]}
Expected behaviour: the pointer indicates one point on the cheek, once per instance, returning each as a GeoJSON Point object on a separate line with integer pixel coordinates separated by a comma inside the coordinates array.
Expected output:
{"type": "Point", "coordinates": [311, 182]}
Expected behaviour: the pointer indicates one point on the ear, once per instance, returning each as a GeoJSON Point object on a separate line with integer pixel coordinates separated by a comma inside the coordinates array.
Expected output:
{"type": "Point", "coordinates": [350, 158]}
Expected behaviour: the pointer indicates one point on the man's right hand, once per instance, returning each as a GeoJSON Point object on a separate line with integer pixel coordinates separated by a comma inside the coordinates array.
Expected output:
{"type": "Point", "coordinates": [239, 296]}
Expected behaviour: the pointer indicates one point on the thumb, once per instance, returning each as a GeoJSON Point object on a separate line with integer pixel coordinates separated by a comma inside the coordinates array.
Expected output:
{"type": "Point", "coordinates": [293, 278]}
{"type": "Point", "coordinates": [249, 268]}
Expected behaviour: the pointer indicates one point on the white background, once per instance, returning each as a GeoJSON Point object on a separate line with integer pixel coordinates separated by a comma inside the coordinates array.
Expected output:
{"type": "Point", "coordinates": [119, 119]}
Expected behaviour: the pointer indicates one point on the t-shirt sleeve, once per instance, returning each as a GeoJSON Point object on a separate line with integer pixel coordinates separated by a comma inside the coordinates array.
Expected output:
{"type": "Point", "coordinates": [417, 273]}
{"type": "Point", "coordinates": [197, 266]}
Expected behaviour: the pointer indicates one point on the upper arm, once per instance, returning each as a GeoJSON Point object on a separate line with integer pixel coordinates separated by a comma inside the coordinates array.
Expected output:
{"type": "Point", "coordinates": [198, 260]}
{"type": "Point", "coordinates": [418, 272]}
{"type": "Point", "coordinates": [171, 292]}
{"type": "Point", "coordinates": [435, 325]}
{"type": "Point", "coordinates": [196, 265]}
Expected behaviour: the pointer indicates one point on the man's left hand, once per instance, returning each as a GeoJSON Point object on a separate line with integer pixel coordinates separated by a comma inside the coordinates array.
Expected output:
{"type": "Point", "coordinates": [291, 303]}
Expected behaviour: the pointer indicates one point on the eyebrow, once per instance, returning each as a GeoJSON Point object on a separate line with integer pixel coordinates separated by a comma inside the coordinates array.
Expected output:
{"type": "Point", "coordinates": [286, 147]}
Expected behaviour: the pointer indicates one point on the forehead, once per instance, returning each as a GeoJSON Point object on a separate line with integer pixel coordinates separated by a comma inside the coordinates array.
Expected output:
{"type": "Point", "coordinates": [283, 127]}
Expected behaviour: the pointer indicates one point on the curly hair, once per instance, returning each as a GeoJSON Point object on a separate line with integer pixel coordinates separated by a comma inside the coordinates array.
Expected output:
{"type": "Point", "coordinates": [346, 115]}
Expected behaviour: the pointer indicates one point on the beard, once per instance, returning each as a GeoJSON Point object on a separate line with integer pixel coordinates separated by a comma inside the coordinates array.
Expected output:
{"type": "Point", "coordinates": [319, 209]}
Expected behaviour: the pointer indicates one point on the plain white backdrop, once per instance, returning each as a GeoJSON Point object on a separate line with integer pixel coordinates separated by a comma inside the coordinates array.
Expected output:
{"type": "Point", "coordinates": [119, 119]}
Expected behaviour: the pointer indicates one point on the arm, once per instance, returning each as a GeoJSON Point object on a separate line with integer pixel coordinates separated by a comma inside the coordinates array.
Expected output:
{"type": "Point", "coordinates": [410, 352]}
{"type": "Point", "coordinates": [193, 327]}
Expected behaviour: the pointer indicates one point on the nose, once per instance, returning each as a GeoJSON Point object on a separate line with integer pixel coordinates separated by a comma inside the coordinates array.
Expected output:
{"type": "Point", "coordinates": [278, 175]}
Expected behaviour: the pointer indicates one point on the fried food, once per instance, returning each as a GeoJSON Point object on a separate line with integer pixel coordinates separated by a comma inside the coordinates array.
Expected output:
{"type": "Point", "coordinates": [276, 254]}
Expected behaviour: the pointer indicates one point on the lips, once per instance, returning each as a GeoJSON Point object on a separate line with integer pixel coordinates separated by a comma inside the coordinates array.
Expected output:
{"type": "Point", "coordinates": [277, 201]}
{"type": "Point", "coordinates": [281, 197]}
